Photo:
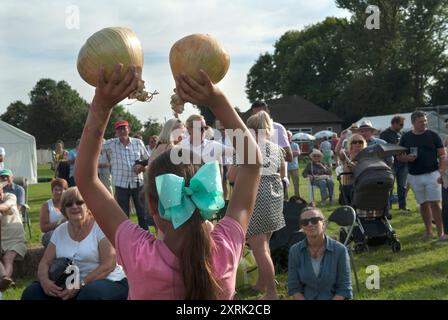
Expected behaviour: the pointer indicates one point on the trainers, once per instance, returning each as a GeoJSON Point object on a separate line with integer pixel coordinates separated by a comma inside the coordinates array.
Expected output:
{"type": "Point", "coordinates": [405, 209]}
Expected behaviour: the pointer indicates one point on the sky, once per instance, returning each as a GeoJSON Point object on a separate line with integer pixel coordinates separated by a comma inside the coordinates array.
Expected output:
{"type": "Point", "coordinates": [41, 39]}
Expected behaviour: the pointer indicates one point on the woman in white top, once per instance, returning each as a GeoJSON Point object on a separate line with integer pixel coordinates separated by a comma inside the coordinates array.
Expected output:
{"type": "Point", "coordinates": [50, 213]}
{"type": "Point", "coordinates": [171, 134]}
{"type": "Point", "coordinates": [81, 241]}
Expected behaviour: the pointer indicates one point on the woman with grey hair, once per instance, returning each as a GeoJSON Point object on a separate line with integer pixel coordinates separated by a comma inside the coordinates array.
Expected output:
{"type": "Point", "coordinates": [318, 266]}
{"type": "Point", "coordinates": [320, 176]}
{"type": "Point", "coordinates": [171, 134]}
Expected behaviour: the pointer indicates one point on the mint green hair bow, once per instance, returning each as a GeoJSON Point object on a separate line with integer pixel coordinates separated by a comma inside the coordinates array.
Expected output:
{"type": "Point", "coordinates": [177, 202]}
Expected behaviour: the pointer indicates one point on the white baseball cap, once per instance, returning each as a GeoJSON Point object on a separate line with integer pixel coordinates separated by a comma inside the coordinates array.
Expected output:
{"type": "Point", "coordinates": [2, 151]}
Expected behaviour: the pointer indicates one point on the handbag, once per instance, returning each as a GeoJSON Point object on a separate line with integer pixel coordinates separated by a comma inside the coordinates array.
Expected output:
{"type": "Point", "coordinates": [56, 271]}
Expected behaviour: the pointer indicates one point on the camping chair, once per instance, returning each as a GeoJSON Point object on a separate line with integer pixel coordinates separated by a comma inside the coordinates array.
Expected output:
{"type": "Point", "coordinates": [25, 211]}
{"type": "Point", "coordinates": [345, 217]}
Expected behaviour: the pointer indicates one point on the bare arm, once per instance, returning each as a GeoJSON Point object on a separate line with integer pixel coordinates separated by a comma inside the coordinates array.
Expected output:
{"type": "Point", "coordinates": [45, 224]}
{"type": "Point", "coordinates": [242, 202]}
{"type": "Point", "coordinates": [107, 264]}
{"type": "Point", "coordinates": [441, 152]}
{"type": "Point", "coordinates": [105, 209]}
{"type": "Point", "coordinates": [288, 154]}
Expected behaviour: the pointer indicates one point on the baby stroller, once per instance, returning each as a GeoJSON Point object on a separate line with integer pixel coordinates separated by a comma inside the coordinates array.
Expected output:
{"type": "Point", "coordinates": [369, 194]}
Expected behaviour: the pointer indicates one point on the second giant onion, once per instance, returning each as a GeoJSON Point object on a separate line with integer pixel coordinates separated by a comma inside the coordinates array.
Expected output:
{"type": "Point", "coordinates": [107, 48]}
{"type": "Point", "coordinates": [194, 52]}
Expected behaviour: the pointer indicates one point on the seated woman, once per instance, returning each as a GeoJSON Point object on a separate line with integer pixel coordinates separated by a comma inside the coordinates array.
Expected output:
{"type": "Point", "coordinates": [12, 237]}
{"type": "Point", "coordinates": [355, 144]}
{"type": "Point", "coordinates": [82, 241]}
{"type": "Point", "coordinates": [318, 266]}
{"type": "Point", "coordinates": [320, 176]}
{"type": "Point", "coordinates": [50, 213]}
{"type": "Point", "coordinates": [171, 134]}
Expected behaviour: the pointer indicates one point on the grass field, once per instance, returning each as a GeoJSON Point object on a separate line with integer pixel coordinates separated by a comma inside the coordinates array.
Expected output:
{"type": "Point", "coordinates": [419, 271]}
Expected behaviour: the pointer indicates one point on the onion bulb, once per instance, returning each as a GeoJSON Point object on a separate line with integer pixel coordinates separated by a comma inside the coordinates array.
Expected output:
{"type": "Point", "coordinates": [192, 53]}
{"type": "Point", "coordinates": [107, 48]}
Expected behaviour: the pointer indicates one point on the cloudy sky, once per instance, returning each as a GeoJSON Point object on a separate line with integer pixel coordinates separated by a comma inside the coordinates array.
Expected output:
{"type": "Point", "coordinates": [38, 39]}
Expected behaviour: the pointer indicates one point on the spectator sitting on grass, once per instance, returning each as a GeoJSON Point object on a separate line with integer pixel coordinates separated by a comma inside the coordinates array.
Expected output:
{"type": "Point", "coordinates": [318, 266]}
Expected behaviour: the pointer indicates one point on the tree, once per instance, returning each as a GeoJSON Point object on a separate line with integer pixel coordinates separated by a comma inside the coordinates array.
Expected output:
{"type": "Point", "coordinates": [16, 115]}
{"type": "Point", "coordinates": [119, 113]}
{"type": "Point", "coordinates": [262, 79]}
{"type": "Point", "coordinates": [150, 128]}
{"type": "Point", "coordinates": [56, 111]}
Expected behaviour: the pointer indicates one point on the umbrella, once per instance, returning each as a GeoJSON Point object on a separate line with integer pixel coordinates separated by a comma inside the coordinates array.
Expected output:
{"type": "Point", "coordinates": [380, 151]}
{"type": "Point", "coordinates": [302, 136]}
{"type": "Point", "coordinates": [324, 134]}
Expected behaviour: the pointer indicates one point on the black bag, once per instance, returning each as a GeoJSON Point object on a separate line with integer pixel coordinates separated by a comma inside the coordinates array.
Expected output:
{"type": "Point", "coordinates": [56, 272]}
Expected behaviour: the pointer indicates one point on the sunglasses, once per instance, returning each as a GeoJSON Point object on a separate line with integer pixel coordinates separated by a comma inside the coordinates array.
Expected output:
{"type": "Point", "coordinates": [357, 142]}
{"type": "Point", "coordinates": [77, 202]}
{"type": "Point", "coordinates": [313, 220]}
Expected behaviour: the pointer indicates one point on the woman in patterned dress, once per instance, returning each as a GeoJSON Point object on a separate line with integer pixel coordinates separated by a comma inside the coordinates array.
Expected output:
{"type": "Point", "coordinates": [268, 213]}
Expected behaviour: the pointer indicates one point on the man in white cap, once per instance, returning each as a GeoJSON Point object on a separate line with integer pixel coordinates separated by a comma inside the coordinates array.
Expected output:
{"type": "Point", "coordinates": [2, 158]}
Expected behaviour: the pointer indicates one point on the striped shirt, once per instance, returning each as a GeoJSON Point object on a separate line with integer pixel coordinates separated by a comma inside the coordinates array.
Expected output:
{"type": "Point", "coordinates": [122, 160]}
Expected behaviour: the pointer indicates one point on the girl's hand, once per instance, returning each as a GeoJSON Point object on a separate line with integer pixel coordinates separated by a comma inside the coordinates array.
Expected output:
{"type": "Point", "coordinates": [198, 93]}
{"type": "Point", "coordinates": [108, 94]}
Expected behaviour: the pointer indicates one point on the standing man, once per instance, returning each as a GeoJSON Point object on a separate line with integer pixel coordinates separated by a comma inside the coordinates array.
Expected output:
{"type": "Point", "coordinates": [7, 177]}
{"type": "Point", "coordinates": [279, 135]}
{"type": "Point", "coordinates": [127, 159]}
{"type": "Point", "coordinates": [293, 166]}
{"type": "Point", "coordinates": [400, 169]}
{"type": "Point", "coordinates": [72, 154]}
{"type": "Point", "coordinates": [426, 148]}
{"type": "Point", "coordinates": [152, 144]}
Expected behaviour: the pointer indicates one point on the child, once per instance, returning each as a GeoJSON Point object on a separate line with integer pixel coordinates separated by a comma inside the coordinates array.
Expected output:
{"type": "Point", "coordinates": [191, 262]}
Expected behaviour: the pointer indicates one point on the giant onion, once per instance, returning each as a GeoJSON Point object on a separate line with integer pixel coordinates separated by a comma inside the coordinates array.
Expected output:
{"type": "Point", "coordinates": [107, 48]}
{"type": "Point", "coordinates": [192, 53]}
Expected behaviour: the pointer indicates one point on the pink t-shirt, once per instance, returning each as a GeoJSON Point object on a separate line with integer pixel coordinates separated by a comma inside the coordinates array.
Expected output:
{"type": "Point", "coordinates": [153, 271]}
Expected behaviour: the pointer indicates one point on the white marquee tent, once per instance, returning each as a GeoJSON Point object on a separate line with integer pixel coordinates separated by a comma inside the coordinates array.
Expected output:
{"type": "Point", "coordinates": [20, 151]}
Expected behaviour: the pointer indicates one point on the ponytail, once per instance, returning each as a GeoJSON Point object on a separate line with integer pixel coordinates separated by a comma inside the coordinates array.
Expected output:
{"type": "Point", "coordinates": [196, 262]}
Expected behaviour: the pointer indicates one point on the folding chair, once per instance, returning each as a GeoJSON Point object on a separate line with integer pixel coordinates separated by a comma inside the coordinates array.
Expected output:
{"type": "Point", "coordinates": [345, 217]}
{"type": "Point", "coordinates": [25, 210]}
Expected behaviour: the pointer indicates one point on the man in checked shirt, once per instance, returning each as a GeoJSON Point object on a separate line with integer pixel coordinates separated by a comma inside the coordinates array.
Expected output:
{"type": "Point", "coordinates": [127, 176]}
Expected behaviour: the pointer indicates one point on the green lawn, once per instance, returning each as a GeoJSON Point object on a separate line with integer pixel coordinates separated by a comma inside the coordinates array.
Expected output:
{"type": "Point", "coordinates": [419, 271]}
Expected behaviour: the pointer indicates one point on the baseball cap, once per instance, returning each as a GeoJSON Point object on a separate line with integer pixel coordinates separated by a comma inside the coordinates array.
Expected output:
{"type": "Point", "coordinates": [2, 151]}
{"type": "Point", "coordinates": [121, 123]}
{"type": "Point", "coordinates": [5, 172]}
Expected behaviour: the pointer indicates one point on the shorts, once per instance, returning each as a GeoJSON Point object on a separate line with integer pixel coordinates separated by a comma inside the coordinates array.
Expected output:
{"type": "Point", "coordinates": [425, 187]}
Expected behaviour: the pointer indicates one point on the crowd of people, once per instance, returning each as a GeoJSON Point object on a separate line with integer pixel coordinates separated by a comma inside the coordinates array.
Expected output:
{"type": "Point", "coordinates": [86, 220]}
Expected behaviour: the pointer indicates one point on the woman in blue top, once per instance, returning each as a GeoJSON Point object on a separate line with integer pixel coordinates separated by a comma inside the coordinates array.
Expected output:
{"type": "Point", "coordinates": [318, 266]}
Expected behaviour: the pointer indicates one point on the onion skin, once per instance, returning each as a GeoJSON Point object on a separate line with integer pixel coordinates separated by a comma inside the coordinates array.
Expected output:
{"type": "Point", "coordinates": [107, 48]}
{"type": "Point", "coordinates": [194, 52]}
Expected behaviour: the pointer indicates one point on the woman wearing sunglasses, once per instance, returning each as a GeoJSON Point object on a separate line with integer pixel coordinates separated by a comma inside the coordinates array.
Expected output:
{"type": "Point", "coordinates": [356, 144]}
{"type": "Point", "coordinates": [318, 266]}
{"type": "Point", "coordinates": [81, 241]}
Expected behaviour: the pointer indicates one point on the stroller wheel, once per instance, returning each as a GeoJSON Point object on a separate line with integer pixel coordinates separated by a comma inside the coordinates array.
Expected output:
{"type": "Point", "coordinates": [396, 246]}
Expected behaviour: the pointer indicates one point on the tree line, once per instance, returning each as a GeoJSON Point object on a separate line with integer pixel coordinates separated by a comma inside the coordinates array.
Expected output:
{"type": "Point", "coordinates": [57, 112]}
{"type": "Point", "coordinates": [354, 71]}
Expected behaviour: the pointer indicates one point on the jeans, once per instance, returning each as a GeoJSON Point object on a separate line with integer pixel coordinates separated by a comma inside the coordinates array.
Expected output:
{"type": "Point", "coordinates": [71, 182]}
{"type": "Point", "coordinates": [445, 209]}
{"type": "Point", "coordinates": [103, 289]}
{"type": "Point", "coordinates": [123, 197]}
{"type": "Point", "coordinates": [324, 185]}
{"type": "Point", "coordinates": [400, 171]}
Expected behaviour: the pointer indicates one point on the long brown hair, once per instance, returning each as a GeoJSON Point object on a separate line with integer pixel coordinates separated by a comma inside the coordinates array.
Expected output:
{"type": "Point", "coordinates": [196, 251]}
